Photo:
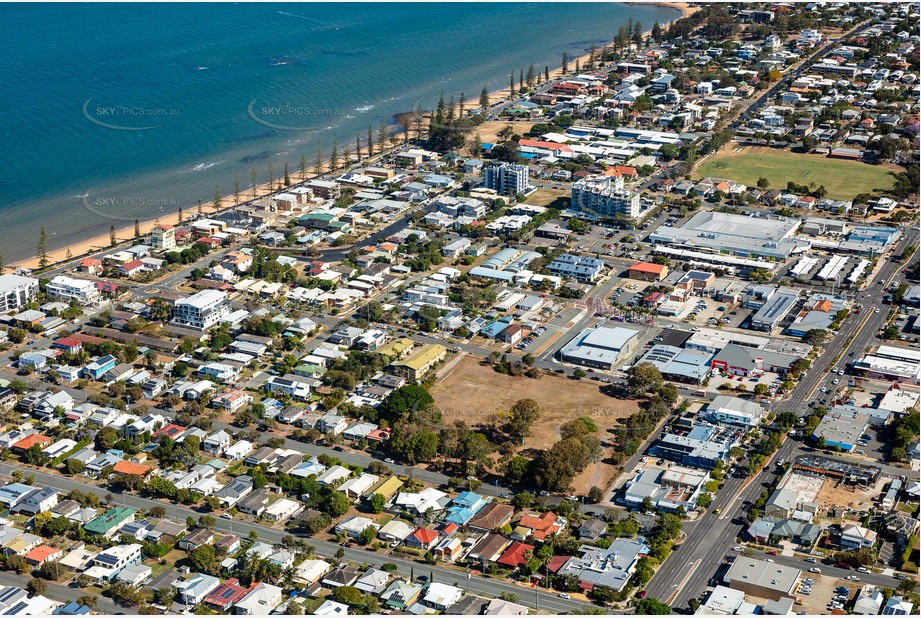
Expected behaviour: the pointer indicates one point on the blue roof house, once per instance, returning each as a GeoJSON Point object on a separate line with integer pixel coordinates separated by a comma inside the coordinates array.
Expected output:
{"type": "Point", "coordinates": [465, 506]}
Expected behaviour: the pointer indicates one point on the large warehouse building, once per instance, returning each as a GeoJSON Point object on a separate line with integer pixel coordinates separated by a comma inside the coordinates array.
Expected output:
{"type": "Point", "coordinates": [601, 347]}
{"type": "Point", "coordinates": [724, 234]}
{"type": "Point", "coordinates": [762, 579]}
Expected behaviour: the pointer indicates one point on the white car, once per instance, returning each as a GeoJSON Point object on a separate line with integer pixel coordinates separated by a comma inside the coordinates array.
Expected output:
{"type": "Point", "coordinates": [737, 548]}
{"type": "Point", "coordinates": [815, 570]}
{"type": "Point", "coordinates": [768, 560]}
{"type": "Point", "coordinates": [853, 578]}
{"type": "Point", "coordinates": [564, 595]}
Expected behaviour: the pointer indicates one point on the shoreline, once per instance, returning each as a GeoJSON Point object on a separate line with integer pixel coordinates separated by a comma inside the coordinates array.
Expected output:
{"type": "Point", "coordinates": [101, 242]}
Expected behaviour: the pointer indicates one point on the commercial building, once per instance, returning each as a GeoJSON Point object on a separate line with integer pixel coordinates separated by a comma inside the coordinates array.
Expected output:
{"type": "Point", "coordinates": [775, 309]}
{"type": "Point", "coordinates": [506, 178]}
{"type": "Point", "coordinates": [668, 490]}
{"type": "Point", "coordinates": [600, 347]}
{"type": "Point", "coordinates": [67, 289]}
{"type": "Point", "coordinates": [582, 268]}
{"type": "Point", "coordinates": [759, 578]}
{"type": "Point", "coordinates": [701, 447]}
{"type": "Point", "coordinates": [202, 311]}
{"type": "Point", "coordinates": [648, 271]}
{"type": "Point", "coordinates": [841, 427]}
{"type": "Point", "coordinates": [734, 411]}
{"type": "Point", "coordinates": [420, 362]}
{"type": "Point", "coordinates": [718, 233]}
{"type": "Point", "coordinates": [870, 239]}
{"type": "Point", "coordinates": [605, 196]}
{"type": "Point", "coordinates": [891, 363]}
{"type": "Point", "coordinates": [678, 364]}
{"type": "Point", "coordinates": [16, 291]}
{"type": "Point", "coordinates": [612, 567]}
{"type": "Point", "coordinates": [742, 361]}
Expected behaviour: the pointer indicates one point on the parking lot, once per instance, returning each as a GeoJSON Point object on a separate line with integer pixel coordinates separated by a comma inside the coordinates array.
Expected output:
{"type": "Point", "coordinates": [906, 325]}
{"type": "Point", "coordinates": [815, 598]}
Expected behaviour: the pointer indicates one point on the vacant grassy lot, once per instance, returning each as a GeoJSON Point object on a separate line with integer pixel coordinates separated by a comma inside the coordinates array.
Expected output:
{"type": "Point", "coordinates": [843, 179]}
{"type": "Point", "coordinates": [550, 197]}
{"type": "Point", "coordinates": [471, 392]}
{"type": "Point", "coordinates": [488, 130]}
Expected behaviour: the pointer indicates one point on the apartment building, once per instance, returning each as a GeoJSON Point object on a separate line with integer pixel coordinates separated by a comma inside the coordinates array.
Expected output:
{"type": "Point", "coordinates": [202, 311]}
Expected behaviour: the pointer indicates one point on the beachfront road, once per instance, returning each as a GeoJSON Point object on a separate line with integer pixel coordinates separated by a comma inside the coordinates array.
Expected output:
{"type": "Point", "coordinates": [478, 584]}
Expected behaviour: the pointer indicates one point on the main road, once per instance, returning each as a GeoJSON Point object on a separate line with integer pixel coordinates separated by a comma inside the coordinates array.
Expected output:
{"type": "Point", "coordinates": [685, 573]}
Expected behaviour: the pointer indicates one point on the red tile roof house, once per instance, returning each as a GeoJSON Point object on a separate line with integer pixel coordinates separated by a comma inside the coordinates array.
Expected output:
{"type": "Point", "coordinates": [130, 269]}
{"type": "Point", "coordinates": [29, 441]}
{"type": "Point", "coordinates": [514, 556]}
{"type": "Point", "coordinates": [68, 344]}
{"type": "Point", "coordinates": [423, 538]}
{"type": "Point", "coordinates": [90, 266]}
{"type": "Point", "coordinates": [172, 430]}
{"type": "Point", "coordinates": [42, 554]}
{"type": "Point", "coordinates": [226, 595]}
{"type": "Point", "coordinates": [211, 242]}
{"type": "Point", "coordinates": [107, 287]}
{"type": "Point", "coordinates": [541, 526]}
{"type": "Point", "coordinates": [380, 435]}
{"type": "Point", "coordinates": [131, 468]}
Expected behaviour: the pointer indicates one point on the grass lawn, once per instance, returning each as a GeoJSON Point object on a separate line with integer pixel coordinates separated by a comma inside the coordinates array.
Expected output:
{"type": "Point", "coordinates": [550, 197]}
{"type": "Point", "coordinates": [843, 179]}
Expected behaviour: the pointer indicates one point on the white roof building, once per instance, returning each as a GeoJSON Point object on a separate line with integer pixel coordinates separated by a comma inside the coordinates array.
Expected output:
{"type": "Point", "coordinates": [334, 475]}
{"type": "Point", "coordinates": [441, 596]}
{"type": "Point", "coordinates": [260, 601]}
{"type": "Point", "coordinates": [428, 498]}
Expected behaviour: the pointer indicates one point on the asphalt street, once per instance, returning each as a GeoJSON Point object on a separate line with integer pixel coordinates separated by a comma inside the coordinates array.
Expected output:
{"type": "Point", "coordinates": [477, 584]}
{"type": "Point", "coordinates": [57, 592]}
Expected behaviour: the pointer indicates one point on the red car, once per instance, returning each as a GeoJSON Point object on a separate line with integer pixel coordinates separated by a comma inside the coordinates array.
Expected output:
{"type": "Point", "coordinates": [772, 552]}
{"type": "Point", "coordinates": [641, 594]}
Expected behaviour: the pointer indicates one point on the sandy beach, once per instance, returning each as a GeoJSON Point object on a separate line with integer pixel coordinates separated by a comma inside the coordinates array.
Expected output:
{"type": "Point", "coordinates": [685, 8]}
{"type": "Point", "coordinates": [124, 234]}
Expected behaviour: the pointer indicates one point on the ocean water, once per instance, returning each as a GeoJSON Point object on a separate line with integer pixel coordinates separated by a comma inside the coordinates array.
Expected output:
{"type": "Point", "coordinates": [117, 112]}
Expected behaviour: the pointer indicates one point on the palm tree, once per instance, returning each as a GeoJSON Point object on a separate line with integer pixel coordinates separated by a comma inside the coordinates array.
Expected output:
{"type": "Point", "coordinates": [252, 175]}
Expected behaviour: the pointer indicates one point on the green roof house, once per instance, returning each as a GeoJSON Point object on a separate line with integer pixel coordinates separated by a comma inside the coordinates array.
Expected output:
{"type": "Point", "coordinates": [110, 521]}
